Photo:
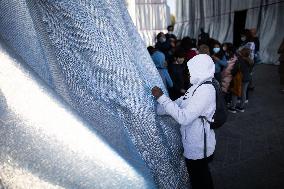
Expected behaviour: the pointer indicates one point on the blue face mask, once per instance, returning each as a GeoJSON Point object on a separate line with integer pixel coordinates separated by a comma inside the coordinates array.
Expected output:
{"type": "Point", "coordinates": [216, 50]}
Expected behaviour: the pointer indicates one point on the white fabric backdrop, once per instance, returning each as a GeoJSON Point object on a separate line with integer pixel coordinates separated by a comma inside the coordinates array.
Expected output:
{"type": "Point", "coordinates": [217, 18]}
{"type": "Point", "coordinates": [152, 17]}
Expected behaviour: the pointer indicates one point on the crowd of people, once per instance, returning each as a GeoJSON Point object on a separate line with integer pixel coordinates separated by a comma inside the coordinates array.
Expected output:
{"type": "Point", "coordinates": [189, 69]}
{"type": "Point", "coordinates": [234, 64]}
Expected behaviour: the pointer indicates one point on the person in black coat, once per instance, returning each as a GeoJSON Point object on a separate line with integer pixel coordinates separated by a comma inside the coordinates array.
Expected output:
{"type": "Point", "coordinates": [165, 46]}
{"type": "Point", "coordinates": [244, 64]}
{"type": "Point", "coordinates": [179, 75]}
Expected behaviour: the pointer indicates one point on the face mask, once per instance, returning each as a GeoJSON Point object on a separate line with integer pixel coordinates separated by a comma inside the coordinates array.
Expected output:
{"type": "Point", "coordinates": [170, 32]}
{"type": "Point", "coordinates": [243, 38]}
{"type": "Point", "coordinates": [162, 39]}
{"type": "Point", "coordinates": [216, 50]}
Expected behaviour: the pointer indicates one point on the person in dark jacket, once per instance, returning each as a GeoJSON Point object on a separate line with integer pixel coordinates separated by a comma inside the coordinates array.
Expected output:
{"type": "Point", "coordinates": [244, 63]}
{"type": "Point", "coordinates": [162, 44]}
{"type": "Point", "coordinates": [229, 50]}
{"type": "Point", "coordinates": [255, 39]}
{"type": "Point", "coordinates": [165, 46]}
{"type": "Point", "coordinates": [178, 75]}
{"type": "Point", "coordinates": [219, 59]}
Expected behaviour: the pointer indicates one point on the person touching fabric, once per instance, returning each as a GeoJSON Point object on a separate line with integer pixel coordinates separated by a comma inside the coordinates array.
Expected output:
{"type": "Point", "coordinates": [197, 137]}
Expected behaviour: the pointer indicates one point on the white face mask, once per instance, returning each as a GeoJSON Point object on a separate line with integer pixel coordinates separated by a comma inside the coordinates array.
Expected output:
{"type": "Point", "coordinates": [170, 32]}
{"type": "Point", "coordinates": [243, 38]}
{"type": "Point", "coordinates": [216, 50]}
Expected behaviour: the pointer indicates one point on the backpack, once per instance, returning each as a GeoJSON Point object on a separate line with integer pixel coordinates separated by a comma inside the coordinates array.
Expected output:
{"type": "Point", "coordinates": [221, 112]}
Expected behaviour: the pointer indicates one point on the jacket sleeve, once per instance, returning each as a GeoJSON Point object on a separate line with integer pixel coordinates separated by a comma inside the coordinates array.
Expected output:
{"type": "Point", "coordinates": [161, 110]}
{"type": "Point", "coordinates": [197, 104]}
{"type": "Point", "coordinates": [223, 61]}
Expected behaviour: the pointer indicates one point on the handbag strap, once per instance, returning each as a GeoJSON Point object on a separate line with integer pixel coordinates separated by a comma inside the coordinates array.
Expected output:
{"type": "Point", "coordinates": [206, 82]}
{"type": "Point", "coordinates": [203, 119]}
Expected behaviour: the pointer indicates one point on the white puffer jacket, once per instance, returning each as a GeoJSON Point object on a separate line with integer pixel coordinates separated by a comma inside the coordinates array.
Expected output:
{"type": "Point", "coordinates": [188, 108]}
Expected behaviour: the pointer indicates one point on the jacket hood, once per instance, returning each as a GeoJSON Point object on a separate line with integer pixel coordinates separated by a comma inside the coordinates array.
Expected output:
{"type": "Point", "coordinates": [158, 59]}
{"type": "Point", "coordinates": [201, 68]}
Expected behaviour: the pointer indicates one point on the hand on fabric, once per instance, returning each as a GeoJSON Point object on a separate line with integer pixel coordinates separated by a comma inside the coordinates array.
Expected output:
{"type": "Point", "coordinates": [157, 92]}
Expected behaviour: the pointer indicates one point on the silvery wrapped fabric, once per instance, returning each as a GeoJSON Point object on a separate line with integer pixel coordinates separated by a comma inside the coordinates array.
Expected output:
{"type": "Point", "coordinates": [87, 58]}
{"type": "Point", "coordinates": [45, 144]}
